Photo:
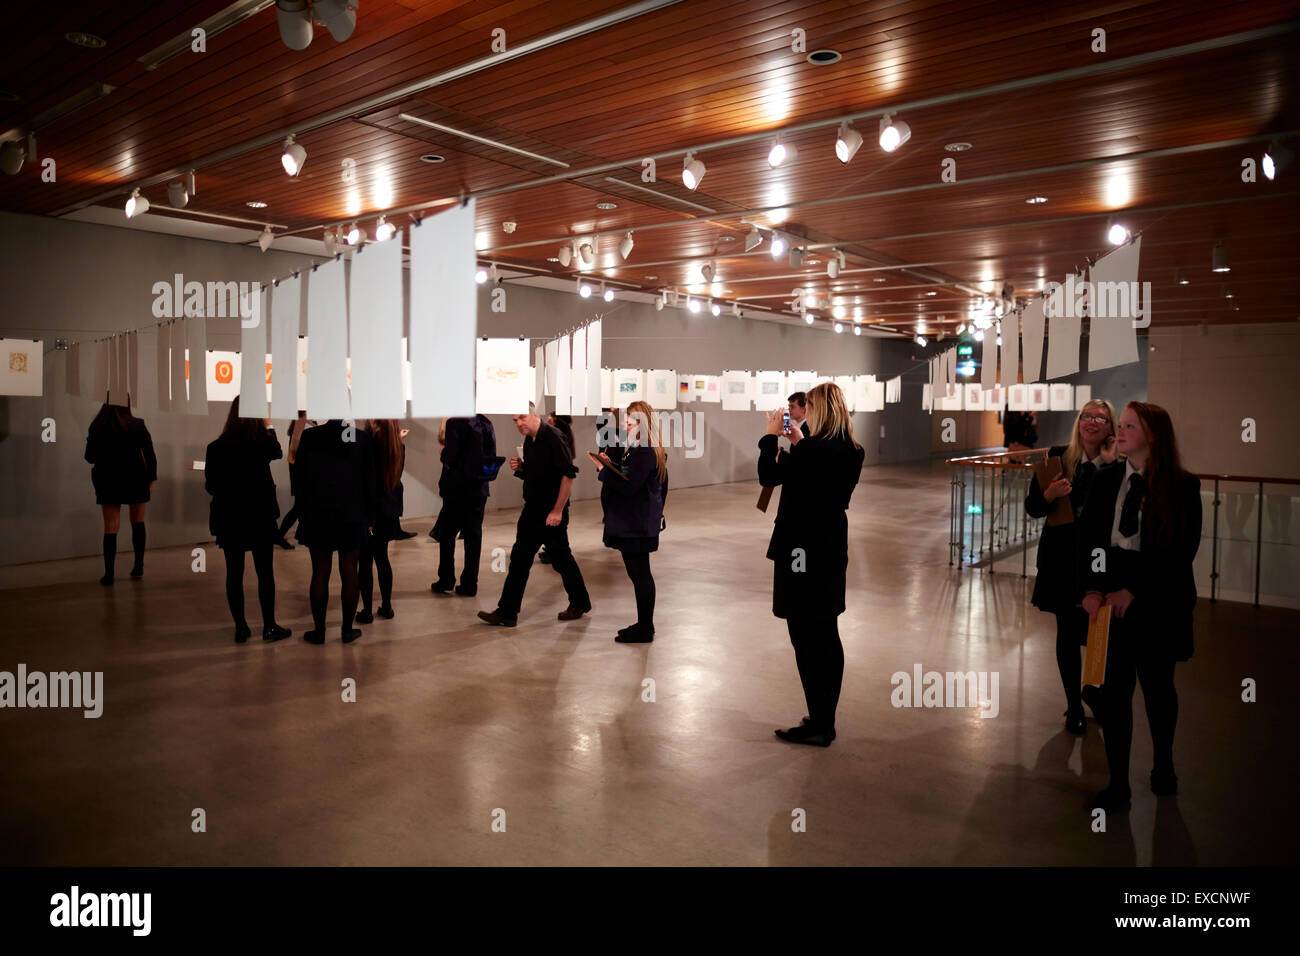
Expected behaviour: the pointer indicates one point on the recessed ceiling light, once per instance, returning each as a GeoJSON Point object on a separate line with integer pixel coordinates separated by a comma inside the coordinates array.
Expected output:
{"type": "Point", "coordinates": [651, 278]}
{"type": "Point", "coordinates": [552, 259]}
{"type": "Point", "coordinates": [932, 293]}
{"type": "Point", "coordinates": [1036, 200]}
{"type": "Point", "coordinates": [606, 205]}
{"type": "Point", "coordinates": [957, 147]}
{"type": "Point", "coordinates": [878, 279]}
{"type": "Point", "coordinates": [726, 238]}
{"type": "Point", "coordinates": [825, 57]}
{"type": "Point", "coordinates": [432, 158]}
{"type": "Point", "coordinates": [88, 40]}
{"type": "Point", "coordinates": [255, 205]}
{"type": "Point", "coordinates": [812, 262]}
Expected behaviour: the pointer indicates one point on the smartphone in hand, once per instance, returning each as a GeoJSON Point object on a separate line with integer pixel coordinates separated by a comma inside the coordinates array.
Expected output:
{"type": "Point", "coordinates": [785, 419]}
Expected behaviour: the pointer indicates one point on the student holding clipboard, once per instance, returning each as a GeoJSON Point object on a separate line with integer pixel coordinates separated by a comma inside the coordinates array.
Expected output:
{"type": "Point", "coordinates": [1057, 492]}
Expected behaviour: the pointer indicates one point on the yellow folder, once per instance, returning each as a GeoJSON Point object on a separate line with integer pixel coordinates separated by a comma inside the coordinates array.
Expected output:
{"type": "Point", "coordinates": [1094, 661]}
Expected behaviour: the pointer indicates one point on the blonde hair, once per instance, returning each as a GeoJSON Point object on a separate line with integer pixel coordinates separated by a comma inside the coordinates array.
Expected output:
{"type": "Point", "coordinates": [646, 418]}
{"type": "Point", "coordinates": [1074, 451]}
{"type": "Point", "coordinates": [828, 414]}
{"type": "Point", "coordinates": [442, 432]}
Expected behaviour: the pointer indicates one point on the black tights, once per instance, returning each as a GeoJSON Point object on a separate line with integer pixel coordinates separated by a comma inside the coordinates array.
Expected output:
{"type": "Point", "coordinates": [1071, 626]}
{"type": "Point", "coordinates": [643, 584]}
{"type": "Point", "coordinates": [265, 583]}
{"type": "Point", "coordinates": [375, 550]}
{"type": "Point", "coordinates": [320, 585]}
{"type": "Point", "coordinates": [819, 656]}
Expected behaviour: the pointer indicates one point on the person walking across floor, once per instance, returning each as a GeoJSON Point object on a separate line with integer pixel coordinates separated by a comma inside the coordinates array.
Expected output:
{"type": "Point", "coordinates": [809, 547]}
{"type": "Point", "coordinates": [389, 460]}
{"type": "Point", "coordinates": [469, 464]}
{"type": "Point", "coordinates": [565, 425]}
{"type": "Point", "coordinates": [1143, 516]}
{"type": "Point", "coordinates": [124, 469]}
{"type": "Point", "coordinates": [237, 474]}
{"type": "Point", "coordinates": [547, 471]}
{"type": "Point", "coordinates": [1057, 586]}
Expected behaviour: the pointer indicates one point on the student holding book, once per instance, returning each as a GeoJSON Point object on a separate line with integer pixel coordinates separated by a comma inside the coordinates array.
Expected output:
{"type": "Point", "coordinates": [1057, 587]}
{"type": "Point", "coordinates": [1143, 516]}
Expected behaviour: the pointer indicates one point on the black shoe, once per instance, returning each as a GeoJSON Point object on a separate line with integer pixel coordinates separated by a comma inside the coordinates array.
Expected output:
{"type": "Point", "coordinates": [572, 613]}
{"type": "Point", "coordinates": [543, 557]}
{"type": "Point", "coordinates": [442, 587]}
{"type": "Point", "coordinates": [274, 632]}
{"type": "Point", "coordinates": [1091, 695]}
{"type": "Point", "coordinates": [1164, 783]}
{"type": "Point", "coordinates": [385, 612]}
{"type": "Point", "coordinates": [364, 617]}
{"type": "Point", "coordinates": [137, 571]}
{"type": "Point", "coordinates": [636, 634]}
{"type": "Point", "coordinates": [497, 620]}
{"type": "Point", "coordinates": [106, 579]}
{"type": "Point", "coordinates": [242, 633]}
{"type": "Point", "coordinates": [466, 592]}
{"type": "Point", "coordinates": [807, 734]}
{"type": "Point", "coordinates": [1076, 723]}
{"type": "Point", "coordinates": [1112, 800]}
{"type": "Point", "coordinates": [284, 543]}
{"type": "Point", "coordinates": [351, 634]}
{"type": "Point", "coordinates": [314, 637]}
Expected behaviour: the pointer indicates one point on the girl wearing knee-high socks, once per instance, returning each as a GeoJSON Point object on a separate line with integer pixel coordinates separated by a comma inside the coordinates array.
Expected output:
{"type": "Point", "coordinates": [237, 473]}
{"type": "Point", "coordinates": [335, 492]}
{"type": "Point", "coordinates": [1057, 586]}
{"type": "Point", "coordinates": [1143, 516]}
{"type": "Point", "coordinates": [389, 459]}
{"type": "Point", "coordinates": [810, 547]}
{"type": "Point", "coordinates": [634, 507]}
{"type": "Point", "coordinates": [125, 468]}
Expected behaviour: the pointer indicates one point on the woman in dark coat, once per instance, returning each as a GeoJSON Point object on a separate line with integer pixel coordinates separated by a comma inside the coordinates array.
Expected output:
{"type": "Point", "coordinates": [634, 508]}
{"type": "Point", "coordinates": [237, 474]}
{"type": "Point", "coordinates": [1057, 587]}
{"type": "Point", "coordinates": [389, 460]}
{"type": "Point", "coordinates": [1144, 515]}
{"type": "Point", "coordinates": [293, 434]}
{"type": "Point", "coordinates": [809, 547]}
{"type": "Point", "coordinates": [125, 468]}
{"type": "Point", "coordinates": [335, 493]}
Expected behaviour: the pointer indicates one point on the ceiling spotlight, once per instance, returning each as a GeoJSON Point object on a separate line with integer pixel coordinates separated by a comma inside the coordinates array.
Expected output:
{"type": "Point", "coordinates": [839, 326]}
{"type": "Point", "coordinates": [979, 335]}
{"type": "Point", "coordinates": [778, 245]}
{"type": "Point", "coordinates": [893, 135]}
{"type": "Point", "coordinates": [692, 171]}
{"type": "Point", "coordinates": [920, 340]}
{"type": "Point", "coordinates": [753, 239]}
{"type": "Point", "coordinates": [1276, 159]}
{"type": "Point", "coordinates": [1227, 293]}
{"type": "Point", "coordinates": [565, 254]}
{"type": "Point", "coordinates": [177, 195]}
{"type": "Point", "coordinates": [715, 308]}
{"type": "Point", "coordinates": [835, 263]}
{"type": "Point", "coordinates": [588, 255]}
{"type": "Point", "coordinates": [481, 276]}
{"type": "Point", "coordinates": [999, 341]}
{"type": "Point", "coordinates": [266, 238]}
{"type": "Point", "coordinates": [606, 294]}
{"type": "Point", "coordinates": [338, 16]}
{"type": "Point", "coordinates": [707, 270]}
{"type": "Point", "coordinates": [1219, 258]}
{"type": "Point", "coordinates": [693, 304]}
{"type": "Point", "coordinates": [12, 154]}
{"type": "Point", "coordinates": [625, 247]}
{"type": "Point", "coordinates": [331, 242]}
{"type": "Point", "coordinates": [1036, 200]}
{"type": "Point", "coordinates": [295, 23]}
{"type": "Point", "coordinates": [780, 153]}
{"type": "Point", "coordinates": [961, 327]}
{"type": "Point", "coordinates": [584, 289]}
{"type": "Point", "coordinates": [735, 309]}
{"type": "Point", "coordinates": [1182, 279]}
{"type": "Point", "coordinates": [384, 230]}
{"type": "Point", "coordinates": [355, 234]}
{"type": "Point", "coordinates": [857, 329]}
{"type": "Point", "coordinates": [137, 205]}
{"type": "Point", "coordinates": [659, 302]}
{"type": "Point", "coordinates": [847, 143]}
{"type": "Point", "coordinates": [809, 318]}
{"type": "Point", "coordinates": [796, 257]}
{"type": "Point", "coordinates": [494, 274]}
{"type": "Point", "coordinates": [293, 157]}
{"type": "Point", "coordinates": [1117, 234]}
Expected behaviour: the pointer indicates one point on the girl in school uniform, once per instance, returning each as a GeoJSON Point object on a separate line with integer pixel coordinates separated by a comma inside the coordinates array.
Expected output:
{"type": "Point", "coordinates": [389, 460]}
{"type": "Point", "coordinates": [120, 449]}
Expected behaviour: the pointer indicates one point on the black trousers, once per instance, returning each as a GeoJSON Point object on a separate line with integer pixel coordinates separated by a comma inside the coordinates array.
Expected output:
{"type": "Point", "coordinates": [262, 564]}
{"type": "Point", "coordinates": [531, 533]}
{"type": "Point", "coordinates": [374, 558]}
{"type": "Point", "coordinates": [643, 585]}
{"type": "Point", "coordinates": [289, 520]}
{"type": "Point", "coordinates": [1134, 655]}
{"type": "Point", "coordinates": [1071, 634]}
{"type": "Point", "coordinates": [460, 516]}
{"type": "Point", "coordinates": [819, 655]}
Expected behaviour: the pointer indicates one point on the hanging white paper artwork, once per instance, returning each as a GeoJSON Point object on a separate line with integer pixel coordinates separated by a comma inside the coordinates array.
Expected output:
{"type": "Point", "coordinates": [327, 337]}
{"type": "Point", "coordinates": [301, 375]}
{"type": "Point", "coordinates": [180, 361]}
{"type": "Point", "coordinates": [552, 361]}
{"type": "Point", "coordinates": [1031, 336]}
{"type": "Point", "coordinates": [952, 400]}
{"type": "Point", "coordinates": [133, 368]}
{"type": "Point", "coordinates": [595, 394]}
{"type": "Point", "coordinates": [72, 370]}
{"type": "Point", "coordinates": [1038, 397]}
{"type": "Point", "coordinates": [224, 373]}
{"type": "Point", "coordinates": [1112, 334]}
{"type": "Point", "coordinates": [737, 391]}
{"type": "Point", "coordinates": [710, 387]}
{"type": "Point", "coordinates": [252, 346]}
{"type": "Point", "coordinates": [1060, 397]}
{"type": "Point", "coordinates": [894, 389]}
{"type": "Point", "coordinates": [1018, 398]}
{"type": "Point", "coordinates": [875, 397]}
{"type": "Point", "coordinates": [1009, 371]}
{"type": "Point", "coordinates": [799, 382]}
{"type": "Point", "coordinates": [606, 388]}
{"type": "Point", "coordinates": [286, 303]}
{"type": "Point", "coordinates": [375, 330]}
{"type": "Point", "coordinates": [973, 399]}
{"type": "Point", "coordinates": [686, 389]}
{"type": "Point", "coordinates": [845, 384]}
{"type": "Point", "coordinates": [927, 397]}
{"type": "Point", "coordinates": [563, 375]}
{"type": "Point", "coordinates": [116, 387]}
{"type": "Point", "coordinates": [196, 341]}
{"type": "Point", "coordinates": [163, 366]}
{"type": "Point", "coordinates": [444, 313]}
{"type": "Point", "coordinates": [661, 388]}
{"type": "Point", "coordinates": [538, 377]}
{"type": "Point", "coordinates": [501, 382]}
{"type": "Point", "coordinates": [578, 375]}
{"type": "Point", "coordinates": [99, 388]}
{"type": "Point", "coordinates": [995, 399]}
{"type": "Point", "coordinates": [769, 390]}
{"type": "Point", "coordinates": [989, 361]}
{"type": "Point", "coordinates": [628, 386]}
{"type": "Point", "coordinates": [862, 393]}
{"type": "Point", "coordinates": [22, 367]}
{"type": "Point", "coordinates": [1082, 396]}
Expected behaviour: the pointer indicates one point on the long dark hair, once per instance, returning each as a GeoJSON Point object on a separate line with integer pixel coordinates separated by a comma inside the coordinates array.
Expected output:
{"type": "Point", "coordinates": [390, 449]}
{"type": "Point", "coordinates": [112, 418]}
{"type": "Point", "coordinates": [1164, 469]}
{"type": "Point", "coordinates": [242, 429]}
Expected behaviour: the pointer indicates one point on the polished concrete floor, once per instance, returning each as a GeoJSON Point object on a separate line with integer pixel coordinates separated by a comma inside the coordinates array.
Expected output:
{"type": "Point", "coordinates": [455, 721]}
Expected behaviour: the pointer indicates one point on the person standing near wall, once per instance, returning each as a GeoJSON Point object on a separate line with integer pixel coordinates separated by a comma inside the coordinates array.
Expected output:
{"type": "Point", "coordinates": [809, 547]}
{"type": "Point", "coordinates": [469, 463]}
{"type": "Point", "coordinates": [1057, 585]}
{"type": "Point", "coordinates": [237, 474]}
{"type": "Point", "coordinates": [294, 435]}
{"type": "Point", "coordinates": [120, 449]}
{"type": "Point", "coordinates": [389, 460]}
{"type": "Point", "coordinates": [798, 403]}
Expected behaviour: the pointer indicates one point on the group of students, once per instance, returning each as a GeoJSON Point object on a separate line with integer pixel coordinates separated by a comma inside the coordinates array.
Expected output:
{"type": "Point", "coordinates": [1135, 533]}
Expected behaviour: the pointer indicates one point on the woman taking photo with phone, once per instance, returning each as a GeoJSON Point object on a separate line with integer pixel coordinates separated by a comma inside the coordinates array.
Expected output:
{"type": "Point", "coordinates": [810, 547]}
{"type": "Point", "coordinates": [121, 451]}
{"type": "Point", "coordinates": [1057, 587]}
{"type": "Point", "coordinates": [1144, 518]}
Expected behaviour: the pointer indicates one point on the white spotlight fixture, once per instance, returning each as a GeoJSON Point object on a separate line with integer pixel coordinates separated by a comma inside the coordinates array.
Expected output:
{"type": "Point", "coordinates": [1276, 159]}
{"type": "Point", "coordinates": [1182, 279]}
{"type": "Point", "coordinates": [266, 238]}
{"type": "Point", "coordinates": [735, 309]}
{"type": "Point", "coordinates": [835, 263]}
{"type": "Point", "coordinates": [137, 205]}
{"type": "Point", "coordinates": [893, 135]}
{"type": "Point", "coordinates": [796, 257]}
{"type": "Point", "coordinates": [355, 234]}
{"type": "Point", "coordinates": [295, 23]}
{"type": "Point", "coordinates": [565, 254]}
{"type": "Point", "coordinates": [920, 340]}
{"type": "Point", "coordinates": [961, 327]}
{"type": "Point", "coordinates": [587, 253]}
{"type": "Point", "coordinates": [384, 230]}
{"type": "Point", "coordinates": [857, 329]}
{"type": "Point", "coordinates": [979, 335]}
{"type": "Point", "coordinates": [707, 271]}
{"type": "Point", "coordinates": [847, 143]}
{"type": "Point", "coordinates": [584, 289]}
{"type": "Point", "coordinates": [293, 157]}
{"type": "Point", "coordinates": [692, 171]}
{"type": "Point", "coordinates": [780, 153]}
{"type": "Point", "coordinates": [12, 154]}
{"type": "Point", "coordinates": [809, 318]}
{"type": "Point", "coordinates": [839, 327]}
{"type": "Point", "coordinates": [753, 239]}
{"type": "Point", "coordinates": [1117, 234]}
{"type": "Point", "coordinates": [338, 16]}
{"type": "Point", "coordinates": [777, 246]}
{"type": "Point", "coordinates": [481, 276]}
{"type": "Point", "coordinates": [659, 302]}
{"type": "Point", "coordinates": [693, 304]}
{"type": "Point", "coordinates": [715, 308]}
{"type": "Point", "coordinates": [331, 242]}
{"type": "Point", "coordinates": [606, 294]}
{"type": "Point", "coordinates": [1218, 260]}
{"type": "Point", "coordinates": [177, 195]}
{"type": "Point", "coordinates": [625, 247]}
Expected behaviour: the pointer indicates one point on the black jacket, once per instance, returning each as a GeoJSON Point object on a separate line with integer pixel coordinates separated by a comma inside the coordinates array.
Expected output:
{"type": "Point", "coordinates": [334, 486]}
{"type": "Point", "coordinates": [634, 506]}
{"type": "Point", "coordinates": [470, 441]}
{"type": "Point", "coordinates": [548, 460]}
{"type": "Point", "coordinates": [818, 476]}
{"type": "Point", "coordinates": [389, 502]}
{"type": "Point", "coordinates": [1057, 587]}
{"type": "Point", "coordinates": [124, 464]}
{"type": "Point", "coordinates": [1159, 575]}
{"type": "Point", "coordinates": [237, 474]}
